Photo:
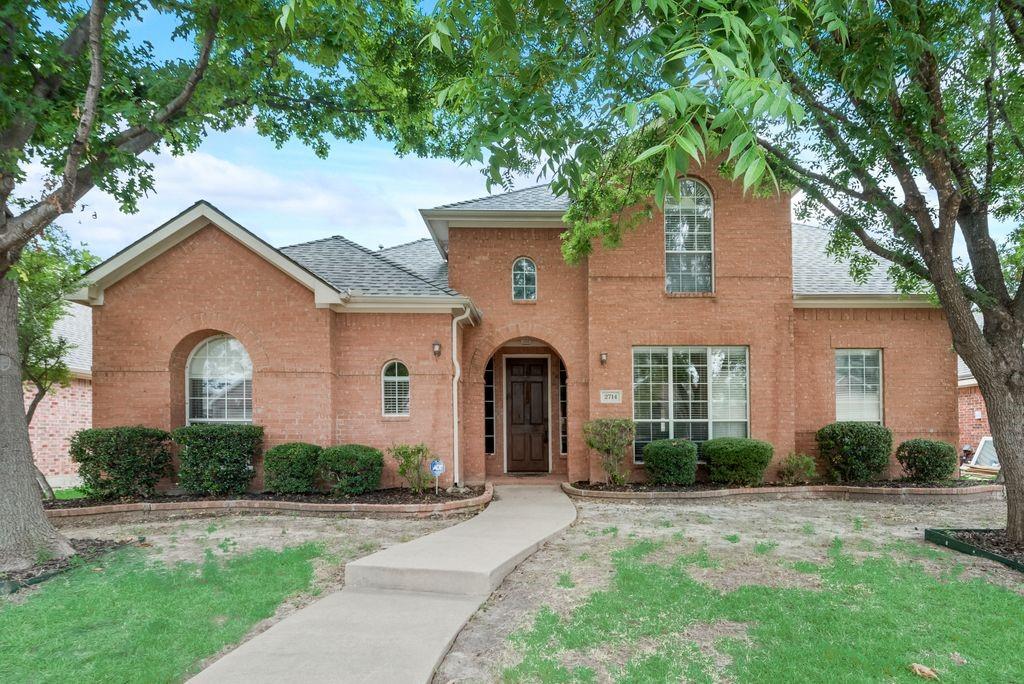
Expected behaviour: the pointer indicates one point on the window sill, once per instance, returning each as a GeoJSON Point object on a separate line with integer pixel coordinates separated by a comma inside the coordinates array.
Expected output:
{"type": "Point", "coordinates": [396, 419]}
{"type": "Point", "coordinates": [524, 301]}
{"type": "Point", "coordinates": [690, 295]}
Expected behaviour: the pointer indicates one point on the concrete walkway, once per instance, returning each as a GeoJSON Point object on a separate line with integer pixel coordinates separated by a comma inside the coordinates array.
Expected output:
{"type": "Point", "coordinates": [402, 608]}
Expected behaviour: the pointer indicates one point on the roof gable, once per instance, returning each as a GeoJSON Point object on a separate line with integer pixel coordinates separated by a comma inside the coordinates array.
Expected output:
{"type": "Point", "coordinates": [182, 226]}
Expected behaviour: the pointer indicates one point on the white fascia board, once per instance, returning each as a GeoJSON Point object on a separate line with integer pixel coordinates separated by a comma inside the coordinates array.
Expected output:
{"type": "Point", "coordinates": [863, 302]}
{"type": "Point", "coordinates": [966, 382]}
{"type": "Point", "coordinates": [410, 304]}
{"type": "Point", "coordinates": [178, 229]}
{"type": "Point", "coordinates": [438, 221]}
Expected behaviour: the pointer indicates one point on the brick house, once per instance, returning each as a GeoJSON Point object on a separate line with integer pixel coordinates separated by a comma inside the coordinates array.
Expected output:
{"type": "Point", "coordinates": [716, 317]}
{"type": "Point", "coordinates": [64, 410]}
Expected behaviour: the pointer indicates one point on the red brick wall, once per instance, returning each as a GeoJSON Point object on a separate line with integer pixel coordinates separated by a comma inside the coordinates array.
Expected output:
{"type": "Point", "coordinates": [62, 412]}
{"type": "Point", "coordinates": [316, 374]}
{"type": "Point", "coordinates": [972, 429]}
{"type": "Point", "coordinates": [918, 367]}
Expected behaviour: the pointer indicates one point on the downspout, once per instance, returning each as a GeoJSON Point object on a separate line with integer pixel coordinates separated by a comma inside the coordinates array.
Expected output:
{"type": "Point", "coordinates": [456, 466]}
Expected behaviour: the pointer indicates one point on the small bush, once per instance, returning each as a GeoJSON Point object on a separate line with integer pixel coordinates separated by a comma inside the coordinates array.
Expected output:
{"type": "Point", "coordinates": [291, 468]}
{"type": "Point", "coordinates": [352, 468]}
{"type": "Point", "coordinates": [797, 469]}
{"type": "Point", "coordinates": [737, 460]}
{"type": "Point", "coordinates": [121, 462]}
{"type": "Point", "coordinates": [612, 438]}
{"type": "Point", "coordinates": [855, 452]}
{"type": "Point", "coordinates": [217, 459]}
{"type": "Point", "coordinates": [671, 461]}
{"type": "Point", "coordinates": [927, 460]}
{"type": "Point", "coordinates": [413, 460]}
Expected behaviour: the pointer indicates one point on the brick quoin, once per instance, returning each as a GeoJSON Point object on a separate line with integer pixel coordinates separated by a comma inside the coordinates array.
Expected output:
{"type": "Point", "coordinates": [317, 371]}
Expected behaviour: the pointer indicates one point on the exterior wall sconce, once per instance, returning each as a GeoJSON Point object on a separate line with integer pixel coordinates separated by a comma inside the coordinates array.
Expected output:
{"type": "Point", "coordinates": [437, 348]}
{"type": "Point", "coordinates": [603, 357]}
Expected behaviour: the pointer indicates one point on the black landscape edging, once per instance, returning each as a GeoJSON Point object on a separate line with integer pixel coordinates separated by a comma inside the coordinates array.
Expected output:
{"type": "Point", "coordinates": [942, 537]}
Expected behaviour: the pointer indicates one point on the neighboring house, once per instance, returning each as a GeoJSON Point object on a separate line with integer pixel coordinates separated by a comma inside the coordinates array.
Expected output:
{"type": "Point", "coordinates": [716, 318]}
{"type": "Point", "coordinates": [64, 410]}
{"type": "Point", "coordinates": [971, 409]}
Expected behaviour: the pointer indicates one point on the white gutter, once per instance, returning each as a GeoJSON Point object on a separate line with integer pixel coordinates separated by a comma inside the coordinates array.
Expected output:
{"type": "Point", "coordinates": [466, 314]}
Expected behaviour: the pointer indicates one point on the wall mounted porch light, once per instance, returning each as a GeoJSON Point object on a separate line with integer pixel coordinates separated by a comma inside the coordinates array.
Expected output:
{"type": "Point", "coordinates": [603, 357]}
{"type": "Point", "coordinates": [437, 348]}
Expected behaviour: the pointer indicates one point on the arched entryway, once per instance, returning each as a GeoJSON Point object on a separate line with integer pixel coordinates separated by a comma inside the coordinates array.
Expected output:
{"type": "Point", "coordinates": [525, 406]}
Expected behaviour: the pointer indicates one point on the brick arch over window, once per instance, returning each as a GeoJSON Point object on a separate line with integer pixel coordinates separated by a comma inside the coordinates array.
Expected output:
{"type": "Point", "coordinates": [179, 355]}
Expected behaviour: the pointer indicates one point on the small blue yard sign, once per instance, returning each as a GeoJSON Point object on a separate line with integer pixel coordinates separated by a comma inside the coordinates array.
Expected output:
{"type": "Point", "coordinates": [436, 469]}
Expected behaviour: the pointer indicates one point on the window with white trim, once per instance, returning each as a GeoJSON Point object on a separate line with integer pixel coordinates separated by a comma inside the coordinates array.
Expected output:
{"type": "Point", "coordinates": [524, 280]}
{"type": "Point", "coordinates": [219, 382]}
{"type": "Point", "coordinates": [395, 389]}
{"type": "Point", "coordinates": [689, 258]}
{"type": "Point", "coordinates": [694, 393]}
{"type": "Point", "coordinates": [859, 385]}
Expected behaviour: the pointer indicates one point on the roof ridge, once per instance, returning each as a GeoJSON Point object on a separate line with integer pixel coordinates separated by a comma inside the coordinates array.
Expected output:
{"type": "Point", "coordinates": [312, 242]}
{"type": "Point", "coordinates": [400, 267]}
{"type": "Point", "coordinates": [404, 244]}
{"type": "Point", "coordinates": [500, 194]}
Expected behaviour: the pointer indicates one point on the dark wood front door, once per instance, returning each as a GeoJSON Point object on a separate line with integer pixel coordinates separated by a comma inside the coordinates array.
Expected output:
{"type": "Point", "coordinates": [527, 414]}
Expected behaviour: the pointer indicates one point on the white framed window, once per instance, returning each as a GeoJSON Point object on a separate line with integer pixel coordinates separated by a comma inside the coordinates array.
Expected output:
{"type": "Point", "coordinates": [395, 389]}
{"type": "Point", "coordinates": [985, 455]}
{"type": "Point", "coordinates": [524, 280]}
{"type": "Point", "coordinates": [218, 382]}
{"type": "Point", "coordinates": [859, 385]}
{"type": "Point", "coordinates": [689, 239]}
{"type": "Point", "coordinates": [694, 393]}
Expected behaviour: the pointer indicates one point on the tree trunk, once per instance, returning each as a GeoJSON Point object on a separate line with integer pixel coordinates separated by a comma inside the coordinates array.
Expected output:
{"type": "Point", "coordinates": [1006, 420]}
{"type": "Point", "coordinates": [26, 535]}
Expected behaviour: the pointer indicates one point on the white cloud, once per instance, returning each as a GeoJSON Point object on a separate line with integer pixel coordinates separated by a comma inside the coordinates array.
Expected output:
{"type": "Point", "coordinates": [363, 191]}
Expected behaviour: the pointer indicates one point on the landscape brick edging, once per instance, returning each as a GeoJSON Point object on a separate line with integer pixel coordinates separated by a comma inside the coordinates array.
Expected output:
{"type": "Point", "coordinates": [841, 492]}
{"type": "Point", "coordinates": [256, 506]}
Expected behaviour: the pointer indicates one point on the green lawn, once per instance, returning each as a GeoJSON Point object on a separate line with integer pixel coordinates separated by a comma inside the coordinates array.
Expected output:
{"type": "Point", "coordinates": [70, 493]}
{"type": "Point", "coordinates": [121, 618]}
{"type": "Point", "coordinates": [868, 622]}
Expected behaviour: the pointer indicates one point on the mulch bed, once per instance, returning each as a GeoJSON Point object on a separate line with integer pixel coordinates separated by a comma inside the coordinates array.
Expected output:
{"type": "Point", "coordinates": [704, 487]}
{"type": "Point", "coordinates": [395, 495]}
{"type": "Point", "coordinates": [86, 550]}
{"type": "Point", "coordinates": [993, 541]}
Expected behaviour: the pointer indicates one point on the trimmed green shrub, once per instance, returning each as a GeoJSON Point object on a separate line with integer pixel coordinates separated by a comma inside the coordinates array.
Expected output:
{"type": "Point", "coordinates": [737, 460]}
{"type": "Point", "coordinates": [413, 460]}
{"type": "Point", "coordinates": [927, 460]}
{"type": "Point", "coordinates": [797, 469]}
{"type": "Point", "coordinates": [612, 438]}
{"type": "Point", "coordinates": [352, 468]}
{"type": "Point", "coordinates": [121, 462]}
{"type": "Point", "coordinates": [291, 468]}
{"type": "Point", "coordinates": [217, 459]}
{"type": "Point", "coordinates": [855, 452]}
{"type": "Point", "coordinates": [671, 461]}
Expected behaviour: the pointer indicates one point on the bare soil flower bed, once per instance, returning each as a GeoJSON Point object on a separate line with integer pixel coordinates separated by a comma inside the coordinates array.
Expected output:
{"type": "Point", "coordinates": [394, 495]}
{"type": "Point", "coordinates": [993, 541]}
{"type": "Point", "coordinates": [704, 487]}
{"type": "Point", "coordinates": [86, 549]}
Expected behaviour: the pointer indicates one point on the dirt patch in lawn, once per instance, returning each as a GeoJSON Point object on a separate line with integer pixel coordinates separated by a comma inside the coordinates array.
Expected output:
{"type": "Point", "coordinates": [394, 495]}
{"type": "Point", "coordinates": [725, 545]}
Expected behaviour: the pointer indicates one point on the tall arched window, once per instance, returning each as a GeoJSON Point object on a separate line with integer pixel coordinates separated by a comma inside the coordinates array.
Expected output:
{"type": "Point", "coordinates": [395, 389]}
{"type": "Point", "coordinates": [219, 375]}
{"type": "Point", "coordinates": [524, 280]}
{"type": "Point", "coordinates": [689, 228]}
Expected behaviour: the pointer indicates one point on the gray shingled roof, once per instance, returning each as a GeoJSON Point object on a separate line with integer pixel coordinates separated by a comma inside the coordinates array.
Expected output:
{"type": "Point", "coordinates": [353, 268]}
{"type": "Point", "coordinates": [76, 328]}
{"type": "Point", "coordinates": [817, 273]}
{"type": "Point", "coordinates": [536, 198]}
{"type": "Point", "coordinates": [422, 257]}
